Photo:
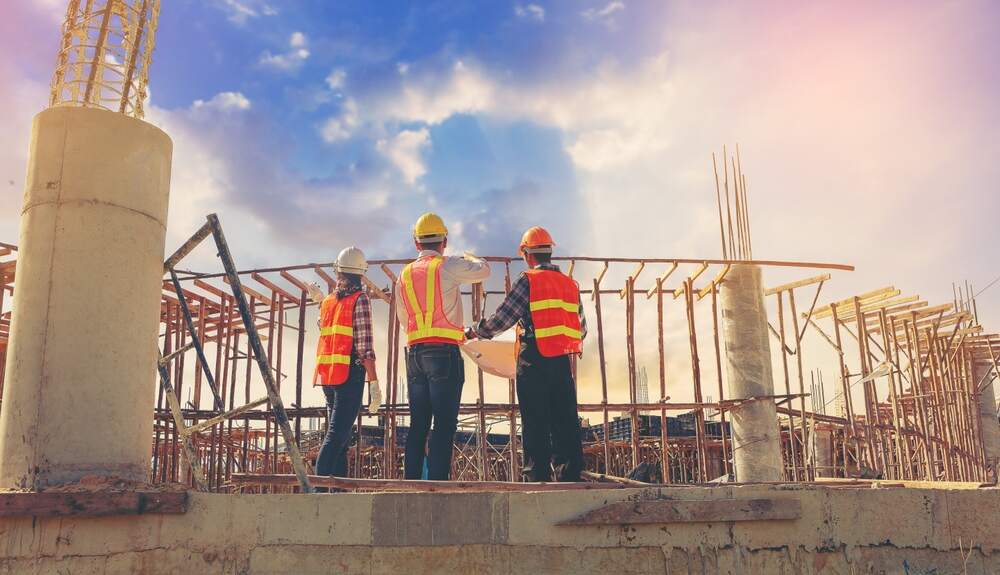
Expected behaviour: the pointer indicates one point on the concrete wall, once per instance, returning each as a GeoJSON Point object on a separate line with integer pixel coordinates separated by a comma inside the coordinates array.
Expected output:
{"type": "Point", "coordinates": [82, 356]}
{"type": "Point", "coordinates": [843, 530]}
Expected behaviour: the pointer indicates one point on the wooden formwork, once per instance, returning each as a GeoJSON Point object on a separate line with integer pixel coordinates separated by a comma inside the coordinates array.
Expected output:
{"type": "Point", "coordinates": [908, 414]}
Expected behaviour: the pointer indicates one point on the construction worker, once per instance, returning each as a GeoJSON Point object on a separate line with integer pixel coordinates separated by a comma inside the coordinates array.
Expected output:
{"type": "Point", "coordinates": [546, 305]}
{"type": "Point", "coordinates": [429, 307]}
{"type": "Point", "coordinates": [345, 357]}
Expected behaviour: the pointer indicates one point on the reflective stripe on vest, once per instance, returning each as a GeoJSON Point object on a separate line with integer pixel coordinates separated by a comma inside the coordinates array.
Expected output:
{"type": "Point", "coordinates": [337, 330]}
{"type": "Point", "coordinates": [336, 339]}
{"type": "Point", "coordinates": [427, 322]}
{"type": "Point", "coordinates": [554, 301]}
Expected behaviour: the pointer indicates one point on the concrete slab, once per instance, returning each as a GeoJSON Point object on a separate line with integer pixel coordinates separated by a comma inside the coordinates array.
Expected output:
{"type": "Point", "coordinates": [439, 519]}
{"type": "Point", "coordinates": [842, 530]}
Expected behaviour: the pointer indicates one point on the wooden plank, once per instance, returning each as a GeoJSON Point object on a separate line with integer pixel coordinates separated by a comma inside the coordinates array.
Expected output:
{"type": "Point", "coordinates": [797, 284]}
{"type": "Point", "coordinates": [688, 511]}
{"type": "Point", "coordinates": [330, 281]}
{"type": "Point", "coordinates": [295, 281]}
{"type": "Point", "coordinates": [701, 269]}
{"type": "Point", "coordinates": [719, 277]}
{"type": "Point", "coordinates": [849, 311]}
{"type": "Point", "coordinates": [867, 297]}
{"type": "Point", "coordinates": [91, 504]}
{"type": "Point", "coordinates": [374, 290]}
{"type": "Point", "coordinates": [417, 485]}
{"type": "Point", "coordinates": [252, 293]}
{"type": "Point", "coordinates": [231, 414]}
{"type": "Point", "coordinates": [662, 280]}
{"type": "Point", "coordinates": [212, 289]}
{"type": "Point", "coordinates": [273, 287]}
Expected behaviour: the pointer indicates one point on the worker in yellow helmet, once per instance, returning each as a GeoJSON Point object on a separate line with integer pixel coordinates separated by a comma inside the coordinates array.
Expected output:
{"type": "Point", "coordinates": [546, 304]}
{"type": "Point", "coordinates": [429, 307]}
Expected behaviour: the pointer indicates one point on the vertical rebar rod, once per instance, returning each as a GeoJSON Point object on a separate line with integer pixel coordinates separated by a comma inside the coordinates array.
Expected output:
{"type": "Point", "coordinates": [604, 374]}
{"type": "Point", "coordinates": [699, 414]}
{"type": "Point", "coordinates": [807, 473]}
{"type": "Point", "coordinates": [664, 451]}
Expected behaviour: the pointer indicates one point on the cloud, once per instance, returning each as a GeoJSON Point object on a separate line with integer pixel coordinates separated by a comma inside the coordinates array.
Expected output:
{"type": "Point", "coordinates": [237, 165]}
{"type": "Point", "coordinates": [341, 127]}
{"type": "Point", "coordinates": [289, 61]}
{"type": "Point", "coordinates": [224, 101]}
{"type": "Point", "coordinates": [427, 99]}
{"type": "Point", "coordinates": [335, 80]}
{"type": "Point", "coordinates": [240, 11]}
{"type": "Point", "coordinates": [610, 117]}
{"type": "Point", "coordinates": [432, 98]}
{"type": "Point", "coordinates": [20, 101]}
{"type": "Point", "coordinates": [607, 11]}
{"type": "Point", "coordinates": [530, 12]}
{"type": "Point", "coordinates": [56, 9]}
{"type": "Point", "coordinates": [405, 151]}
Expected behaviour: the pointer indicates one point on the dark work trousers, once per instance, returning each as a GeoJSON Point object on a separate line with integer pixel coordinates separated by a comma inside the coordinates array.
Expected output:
{"type": "Point", "coordinates": [342, 403]}
{"type": "Point", "coordinates": [550, 427]}
{"type": "Point", "coordinates": [435, 374]}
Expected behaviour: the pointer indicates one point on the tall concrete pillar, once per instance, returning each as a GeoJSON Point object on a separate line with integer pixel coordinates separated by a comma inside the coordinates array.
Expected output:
{"type": "Point", "coordinates": [988, 415]}
{"type": "Point", "coordinates": [756, 437]}
{"type": "Point", "coordinates": [81, 361]}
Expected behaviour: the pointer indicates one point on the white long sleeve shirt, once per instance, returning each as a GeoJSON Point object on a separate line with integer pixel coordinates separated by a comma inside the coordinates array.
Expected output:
{"type": "Point", "coordinates": [454, 272]}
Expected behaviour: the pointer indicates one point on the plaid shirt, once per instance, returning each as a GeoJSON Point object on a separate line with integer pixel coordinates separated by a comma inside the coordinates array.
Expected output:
{"type": "Point", "coordinates": [515, 309]}
{"type": "Point", "coordinates": [364, 340]}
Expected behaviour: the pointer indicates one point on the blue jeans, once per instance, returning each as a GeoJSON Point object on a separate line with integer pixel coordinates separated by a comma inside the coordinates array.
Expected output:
{"type": "Point", "coordinates": [435, 374]}
{"type": "Point", "coordinates": [342, 403]}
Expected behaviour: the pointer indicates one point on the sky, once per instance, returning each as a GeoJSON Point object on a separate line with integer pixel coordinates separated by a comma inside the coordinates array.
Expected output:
{"type": "Point", "coordinates": [867, 129]}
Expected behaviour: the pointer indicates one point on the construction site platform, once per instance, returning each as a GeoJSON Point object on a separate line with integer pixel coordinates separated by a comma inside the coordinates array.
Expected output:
{"type": "Point", "coordinates": [850, 527]}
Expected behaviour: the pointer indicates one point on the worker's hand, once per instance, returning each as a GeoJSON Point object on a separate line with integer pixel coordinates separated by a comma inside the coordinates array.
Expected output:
{"type": "Point", "coordinates": [471, 257]}
{"type": "Point", "coordinates": [376, 396]}
{"type": "Point", "coordinates": [471, 333]}
{"type": "Point", "coordinates": [315, 293]}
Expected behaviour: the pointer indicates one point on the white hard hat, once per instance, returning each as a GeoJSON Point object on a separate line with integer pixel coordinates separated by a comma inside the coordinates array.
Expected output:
{"type": "Point", "coordinates": [351, 260]}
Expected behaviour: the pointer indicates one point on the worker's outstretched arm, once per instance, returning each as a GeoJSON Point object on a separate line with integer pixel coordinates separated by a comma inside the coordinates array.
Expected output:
{"type": "Point", "coordinates": [468, 269]}
{"type": "Point", "coordinates": [513, 308]}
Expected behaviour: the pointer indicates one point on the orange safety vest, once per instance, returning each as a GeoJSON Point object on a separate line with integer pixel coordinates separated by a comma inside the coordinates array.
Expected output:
{"type": "Point", "coordinates": [336, 339]}
{"type": "Point", "coordinates": [554, 301]}
{"type": "Point", "coordinates": [426, 321]}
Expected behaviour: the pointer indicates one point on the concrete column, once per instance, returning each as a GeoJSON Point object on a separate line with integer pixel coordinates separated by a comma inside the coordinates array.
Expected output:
{"type": "Point", "coordinates": [81, 362]}
{"type": "Point", "coordinates": [988, 414]}
{"type": "Point", "coordinates": [756, 439]}
{"type": "Point", "coordinates": [823, 441]}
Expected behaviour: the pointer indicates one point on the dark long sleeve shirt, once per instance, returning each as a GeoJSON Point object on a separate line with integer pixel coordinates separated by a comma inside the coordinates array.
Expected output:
{"type": "Point", "coordinates": [515, 308]}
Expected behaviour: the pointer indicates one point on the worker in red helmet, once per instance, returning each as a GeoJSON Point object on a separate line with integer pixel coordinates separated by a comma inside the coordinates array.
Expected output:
{"type": "Point", "coordinates": [545, 303]}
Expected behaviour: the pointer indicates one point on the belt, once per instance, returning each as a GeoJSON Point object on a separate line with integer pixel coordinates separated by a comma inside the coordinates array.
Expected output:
{"type": "Point", "coordinates": [419, 346]}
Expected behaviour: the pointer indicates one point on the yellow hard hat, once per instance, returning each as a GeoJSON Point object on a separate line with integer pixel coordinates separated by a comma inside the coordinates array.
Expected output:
{"type": "Point", "coordinates": [430, 228]}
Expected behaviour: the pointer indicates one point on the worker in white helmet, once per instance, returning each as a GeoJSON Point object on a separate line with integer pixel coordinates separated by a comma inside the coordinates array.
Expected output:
{"type": "Point", "coordinates": [345, 358]}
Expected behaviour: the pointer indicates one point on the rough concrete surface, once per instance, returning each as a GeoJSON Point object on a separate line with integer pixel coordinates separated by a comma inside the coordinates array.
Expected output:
{"type": "Point", "coordinates": [82, 351]}
{"type": "Point", "coordinates": [841, 530]}
{"type": "Point", "coordinates": [754, 424]}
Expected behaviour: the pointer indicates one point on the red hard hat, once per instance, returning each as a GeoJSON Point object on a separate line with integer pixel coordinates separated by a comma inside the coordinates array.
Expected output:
{"type": "Point", "coordinates": [536, 237]}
